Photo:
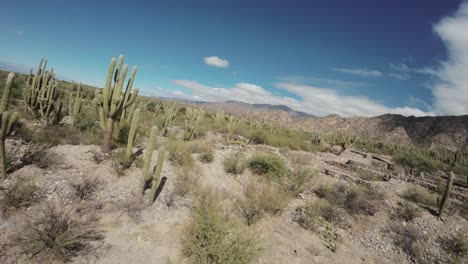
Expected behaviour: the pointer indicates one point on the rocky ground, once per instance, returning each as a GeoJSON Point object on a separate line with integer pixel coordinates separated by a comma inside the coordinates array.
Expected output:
{"type": "Point", "coordinates": [134, 232]}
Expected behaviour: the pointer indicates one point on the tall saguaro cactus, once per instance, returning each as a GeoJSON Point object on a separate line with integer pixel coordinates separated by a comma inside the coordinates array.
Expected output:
{"type": "Point", "coordinates": [7, 122]}
{"type": "Point", "coordinates": [147, 161]}
{"type": "Point", "coordinates": [111, 102]}
{"type": "Point", "coordinates": [192, 122]}
{"type": "Point", "coordinates": [445, 198]}
{"type": "Point", "coordinates": [157, 175]}
{"type": "Point", "coordinates": [74, 106]}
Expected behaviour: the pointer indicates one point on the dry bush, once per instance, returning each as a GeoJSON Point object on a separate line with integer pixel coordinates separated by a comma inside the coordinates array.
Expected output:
{"type": "Point", "coordinates": [456, 245]}
{"type": "Point", "coordinates": [313, 215]}
{"type": "Point", "coordinates": [406, 211]}
{"type": "Point", "coordinates": [369, 175]}
{"type": "Point", "coordinates": [19, 193]}
{"type": "Point", "coordinates": [420, 195]}
{"type": "Point", "coordinates": [234, 163]}
{"type": "Point", "coordinates": [179, 153]}
{"type": "Point", "coordinates": [57, 232]}
{"type": "Point", "coordinates": [212, 237]}
{"type": "Point", "coordinates": [354, 199]}
{"type": "Point", "coordinates": [298, 180]}
{"type": "Point", "coordinates": [85, 186]}
{"type": "Point", "coordinates": [97, 156]}
{"type": "Point", "coordinates": [199, 146]}
{"type": "Point", "coordinates": [321, 218]}
{"type": "Point", "coordinates": [261, 198]}
{"type": "Point", "coordinates": [409, 239]}
{"type": "Point", "coordinates": [187, 180]}
{"type": "Point", "coordinates": [206, 157]}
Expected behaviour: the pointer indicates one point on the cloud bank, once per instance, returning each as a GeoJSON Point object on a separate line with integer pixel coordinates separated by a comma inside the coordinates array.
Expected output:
{"type": "Point", "coordinates": [451, 90]}
{"type": "Point", "coordinates": [216, 62]}
{"type": "Point", "coordinates": [313, 100]}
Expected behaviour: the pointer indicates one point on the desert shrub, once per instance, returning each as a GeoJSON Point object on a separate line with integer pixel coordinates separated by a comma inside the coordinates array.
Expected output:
{"type": "Point", "coordinates": [206, 157]}
{"type": "Point", "coordinates": [259, 199]}
{"type": "Point", "coordinates": [406, 211]}
{"type": "Point", "coordinates": [269, 165]}
{"type": "Point", "coordinates": [409, 239]}
{"type": "Point", "coordinates": [368, 175]}
{"type": "Point", "coordinates": [298, 180]}
{"type": "Point", "coordinates": [44, 159]}
{"type": "Point", "coordinates": [259, 136]}
{"type": "Point", "coordinates": [322, 191]}
{"type": "Point", "coordinates": [314, 213]}
{"type": "Point", "coordinates": [420, 195]}
{"type": "Point", "coordinates": [415, 162]}
{"type": "Point", "coordinates": [19, 193]}
{"type": "Point", "coordinates": [354, 199]}
{"type": "Point", "coordinates": [234, 163]}
{"type": "Point", "coordinates": [151, 106]}
{"type": "Point", "coordinates": [57, 232]}
{"type": "Point", "coordinates": [179, 154]}
{"type": "Point", "coordinates": [199, 146]}
{"type": "Point", "coordinates": [186, 180]}
{"type": "Point", "coordinates": [212, 237]}
{"type": "Point", "coordinates": [320, 218]}
{"type": "Point", "coordinates": [121, 135]}
{"type": "Point", "coordinates": [97, 156]}
{"type": "Point", "coordinates": [456, 245]}
{"type": "Point", "coordinates": [85, 186]}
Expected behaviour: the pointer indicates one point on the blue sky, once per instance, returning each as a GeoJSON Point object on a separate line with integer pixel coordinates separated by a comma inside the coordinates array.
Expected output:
{"type": "Point", "coordinates": [353, 58]}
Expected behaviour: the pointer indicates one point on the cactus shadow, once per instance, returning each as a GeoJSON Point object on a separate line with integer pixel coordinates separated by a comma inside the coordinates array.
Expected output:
{"type": "Point", "coordinates": [429, 209]}
{"type": "Point", "coordinates": [159, 189]}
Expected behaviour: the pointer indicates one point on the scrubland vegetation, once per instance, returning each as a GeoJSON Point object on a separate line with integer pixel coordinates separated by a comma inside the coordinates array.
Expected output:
{"type": "Point", "coordinates": [266, 173]}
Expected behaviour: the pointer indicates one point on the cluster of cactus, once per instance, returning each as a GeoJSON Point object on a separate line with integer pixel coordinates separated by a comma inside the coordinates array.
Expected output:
{"type": "Point", "coordinates": [41, 93]}
{"type": "Point", "coordinates": [75, 103]}
{"type": "Point", "coordinates": [442, 203]}
{"type": "Point", "coordinates": [193, 118]}
{"type": "Point", "coordinates": [170, 113]}
{"type": "Point", "coordinates": [7, 122]}
{"type": "Point", "coordinates": [156, 173]}
{"type": "Point", "coordinates": [110, 102]}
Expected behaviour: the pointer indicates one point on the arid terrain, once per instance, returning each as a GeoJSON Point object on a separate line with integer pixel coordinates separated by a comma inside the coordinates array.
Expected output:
{"type": "Point", "coordinates": [165, 182]}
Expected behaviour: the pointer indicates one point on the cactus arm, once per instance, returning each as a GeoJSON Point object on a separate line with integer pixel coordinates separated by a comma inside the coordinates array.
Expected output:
{"type": "Point", "coordinates": [6, 92]}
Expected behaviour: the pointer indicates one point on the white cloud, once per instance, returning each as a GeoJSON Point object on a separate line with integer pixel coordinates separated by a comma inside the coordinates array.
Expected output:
{"type": "Point", "coordinates": [400, 76]}
{"type": "Point", "coordinates": [313, 100]}
{"type": "Point", "coordinates": [406, 69]}
{"type": "Point", "coordinates": [451, 90]}
{"type": "Point", "coordinates": [360, 72]}
{"type": "Point", "coordinates": [216, 62]}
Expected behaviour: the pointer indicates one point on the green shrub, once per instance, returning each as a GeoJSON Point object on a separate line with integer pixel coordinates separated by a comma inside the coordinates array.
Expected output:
{"type": "Point", "coordinates": [420, 195]}
{"type": "Point", "coordinates": [186, 180]}
{"type": "Point", "coordinates": [234, 163]}
{"type": "Point", "coordinates": [212, 237]}
{"type": "Point", "coordinates": [258, 137]}
{"type": "Point", "coordinates": [298, 180]}
{"type": "Point", "coordinates": [261, 198]}
{"type": "Point", "coordinates": [369, 175]}
{"type": "Point", "coordinates": [415, 162]}
{"type": "Point", "coordinates": [269, 165]}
